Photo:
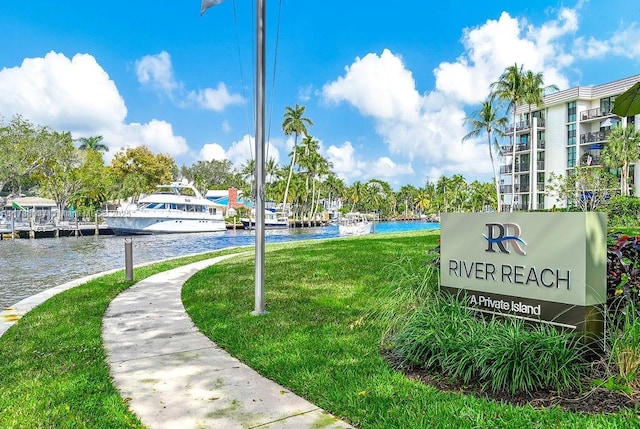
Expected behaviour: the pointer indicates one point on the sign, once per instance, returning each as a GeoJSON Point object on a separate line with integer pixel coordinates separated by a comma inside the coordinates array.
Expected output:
{"type": "Point", "coordinates": [547, 267]}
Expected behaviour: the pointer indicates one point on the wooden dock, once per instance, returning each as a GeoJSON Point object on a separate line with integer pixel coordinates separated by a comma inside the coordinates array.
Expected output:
{"type": "Point", "coordinates": [53, 231]}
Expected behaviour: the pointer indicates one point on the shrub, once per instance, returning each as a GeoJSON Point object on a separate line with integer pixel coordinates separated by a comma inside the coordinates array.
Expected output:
{"type": "Point", "coordinates": [502, 354]}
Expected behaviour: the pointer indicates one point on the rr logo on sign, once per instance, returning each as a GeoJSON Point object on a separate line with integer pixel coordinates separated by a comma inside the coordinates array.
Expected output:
{"type": "Point", "coordinates": [504, 236]}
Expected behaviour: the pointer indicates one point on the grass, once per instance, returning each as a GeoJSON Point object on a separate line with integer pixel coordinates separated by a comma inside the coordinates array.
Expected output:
{"type": "Point", "coordinates": [316, 340]}
{"type": "Point", "coordinates": [53, 372]}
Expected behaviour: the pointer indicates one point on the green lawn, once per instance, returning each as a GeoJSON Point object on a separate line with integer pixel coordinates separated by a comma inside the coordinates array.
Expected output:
{"type": "Point", "coordinates": [316, 340]}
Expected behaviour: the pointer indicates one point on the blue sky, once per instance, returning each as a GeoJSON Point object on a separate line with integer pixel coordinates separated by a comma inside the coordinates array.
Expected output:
{"type": "Point", "coordinates": [386, 84]}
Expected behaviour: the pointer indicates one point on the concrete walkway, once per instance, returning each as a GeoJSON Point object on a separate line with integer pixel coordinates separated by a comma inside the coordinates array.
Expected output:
{"type": "Point", "coordinates": [174, 377]}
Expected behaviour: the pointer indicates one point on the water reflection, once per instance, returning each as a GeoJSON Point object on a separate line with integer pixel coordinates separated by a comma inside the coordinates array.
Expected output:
{"type": "Point", "coordinates": [31, 266]}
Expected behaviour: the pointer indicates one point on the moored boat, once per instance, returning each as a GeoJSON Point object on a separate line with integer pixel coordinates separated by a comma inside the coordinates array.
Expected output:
{"type": "Point", "coordinates": [272, 220]}
{"type": "Point", "coordinates": [354, 224]}
{"type": "Point", "coordinates": [172, 208]}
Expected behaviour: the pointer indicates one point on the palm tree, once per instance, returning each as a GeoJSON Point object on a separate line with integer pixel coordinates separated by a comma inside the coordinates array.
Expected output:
{"type": "Point", "coordinates": [248, 171]}
{"type": "Point", "coordinates": [294, 123]}
{"type": "Point", "coordinates": [534, 92]}
{"type": "Point", "coordinates": [93, 143]}
{"type": "Point", "coordinates": [356, 194]}
{"type": "Point", "coordinates": [487, 119]}
{"type": "Point", "coordinates": [510, 87]}
{"type": "Point", "coordinates": [272, 169]}
{"type": "Point", "coordinates": [621, 150]}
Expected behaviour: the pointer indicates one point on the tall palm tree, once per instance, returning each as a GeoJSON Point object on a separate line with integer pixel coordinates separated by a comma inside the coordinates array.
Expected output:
{"type": "Point", "coordinates": [248, 171]}
{"type": "Point", "coordinates": [488, 120]}
{"type": "Point", "coordinates": [621, 150]}
{"type": "Point", "coordinates": [510, 87]}
{"type": "Point", "coordinates": [534, 92]}
{"type": "Point", "coordinates": [294, 123]}
{"type": "Point", "coordinates": [93, 143]}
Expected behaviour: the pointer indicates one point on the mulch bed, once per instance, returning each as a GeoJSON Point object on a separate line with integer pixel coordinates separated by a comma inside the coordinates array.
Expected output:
{"type": "Point", "coordinates": [590, 400]}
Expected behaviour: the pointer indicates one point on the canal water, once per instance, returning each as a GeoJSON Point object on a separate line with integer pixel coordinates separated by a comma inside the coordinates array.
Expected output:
{"type": "Point", "coordinates": [28, 266]}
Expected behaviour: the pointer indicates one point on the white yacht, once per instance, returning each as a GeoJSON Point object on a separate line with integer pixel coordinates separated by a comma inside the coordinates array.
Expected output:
{"type": "Point", "coordinates": [173, 208]}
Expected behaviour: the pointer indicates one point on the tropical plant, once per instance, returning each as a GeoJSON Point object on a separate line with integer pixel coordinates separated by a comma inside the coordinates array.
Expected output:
{"type": "Point", "coordinates": [488, 120]}
{"type": "Point", "coordinates": [510, 87]}
{"type": "Point", "coordinates": [294, 123]}
{"type": "Point", "coordinates": [92, 143]}
{"type": "Point", "coordinates": [621, 150]}
{"type": "Point", "coordinates": [584, 188]}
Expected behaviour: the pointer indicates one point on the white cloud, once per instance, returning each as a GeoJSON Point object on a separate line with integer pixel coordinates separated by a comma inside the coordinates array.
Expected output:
{"type": "Point", "coordinates": [378, 86]}
{"type": "Point", "coordinates": [427, 129]}
{"type": "Point", "coordinates": [495, 45]}
{"type": "Point", "coordinates": [243, 150]}
{"type": "Point", "coordinates": [344, 161]}
{"type": "Point", "coordinates": [77, 95]}
{"type": "Point", "coordinates": [211, 151]}
{"type": "Point", "coordinates": [217, 99]}
{"type": "Point", "coordinates": [156, 72]}
{"type": "Point", "coordinates": [66, 94]}
{"type": "Point", "coordinates": [156, 135]}
{"type": "Point", "coordinates": [625, 42]}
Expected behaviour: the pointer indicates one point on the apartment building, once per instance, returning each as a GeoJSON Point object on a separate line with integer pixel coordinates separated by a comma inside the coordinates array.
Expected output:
{"type": "Point", "coordinates": [569, 130]}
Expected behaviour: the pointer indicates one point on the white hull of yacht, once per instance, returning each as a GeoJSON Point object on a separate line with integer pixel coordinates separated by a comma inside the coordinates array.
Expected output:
{"type": "Point", "coordinates": [137, 223]}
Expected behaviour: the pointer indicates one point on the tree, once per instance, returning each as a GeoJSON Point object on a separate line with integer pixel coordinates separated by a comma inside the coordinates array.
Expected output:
{"type": "Point", "coordinates": [58, 177]}
{"type": "Point", "coordinates": [294, 123]}
{"type": "Point", "coordinates": [23, 151]}
{"type": "Point", "coordinates": [95, 180]}
{"type": "Point", "coordinates": [137, 170]}
{"type": "Point", "coordinates": [586, 188]}
{"type": "Point", "coordinates": [620, 151]}
{"type": "Point", "coordinates": [488, 120]}
{"type": "Point", "coordinates": [356, 194]}
{"type": "Point", "coordinates": [510, 87]}
{"type": "Point", "coordinates": [93, 143]}
{"type": "Point", "coordinates": [534, 91]}
{"type": "Point", "coordinates": [406, 198]}
{"type": "Point", "coordinates": [214, 174]}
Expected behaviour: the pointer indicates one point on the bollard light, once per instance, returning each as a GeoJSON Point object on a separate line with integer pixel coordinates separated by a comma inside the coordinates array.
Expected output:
{"type": "Point", "coordinates": [128, 258]}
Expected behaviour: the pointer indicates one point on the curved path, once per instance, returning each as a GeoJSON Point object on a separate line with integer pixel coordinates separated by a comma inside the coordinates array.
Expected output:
{"type": "Point", "coordinates": [175, 377]}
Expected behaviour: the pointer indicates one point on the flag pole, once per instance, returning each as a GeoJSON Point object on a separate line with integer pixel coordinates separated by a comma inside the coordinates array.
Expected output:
{"type": "Point", "coordinates": [259, 151]}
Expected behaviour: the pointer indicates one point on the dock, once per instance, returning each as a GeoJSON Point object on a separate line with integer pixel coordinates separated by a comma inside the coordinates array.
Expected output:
{"type": "Point", "coordinates": [53, 231]}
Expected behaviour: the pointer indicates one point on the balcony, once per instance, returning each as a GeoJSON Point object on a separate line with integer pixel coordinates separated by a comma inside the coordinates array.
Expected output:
{"type": "Point", "coordinates": [589, 159]}
{"type": "Point", "coordinates": [522, 166]}
{"type": "Point", "coordinates": [505, 189]}
{"type": "Point", "coordinates": [593, 114]}
{"type": "Point", "coordinates": [506, 150]}
{"type": "Point", "coordinates": [592, 137]}
{"type": "Point", "coordinates": [505, 169]}
{"type": "Point", "coordinates": [522, 147]}
{"type": "Point", "coordinates": [522, 188]}
{"type": "Point", "coordinates": [539, 165]}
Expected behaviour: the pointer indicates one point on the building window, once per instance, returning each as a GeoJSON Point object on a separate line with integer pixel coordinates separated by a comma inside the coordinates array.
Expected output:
{"type": "Point", "coordinates": [571, 111]}
{"type": "Point", "coordinates": [606, 104]}
{"type": "Point", "coordinates": [571, 157]}
{"type": "Point", "coordinates": [571, 135]}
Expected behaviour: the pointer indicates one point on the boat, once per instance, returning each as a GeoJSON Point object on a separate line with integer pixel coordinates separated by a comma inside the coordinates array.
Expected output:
{"type": "Point", "coordinates": [172, 208]}
{"type": "Point", "coordinates": [272, 220]}
{"type": "Point", "coordinates": [354, 224]}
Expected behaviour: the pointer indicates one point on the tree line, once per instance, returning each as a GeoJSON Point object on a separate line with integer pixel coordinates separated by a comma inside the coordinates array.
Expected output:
{"type": "Point", "coordinates": [38, 160]}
